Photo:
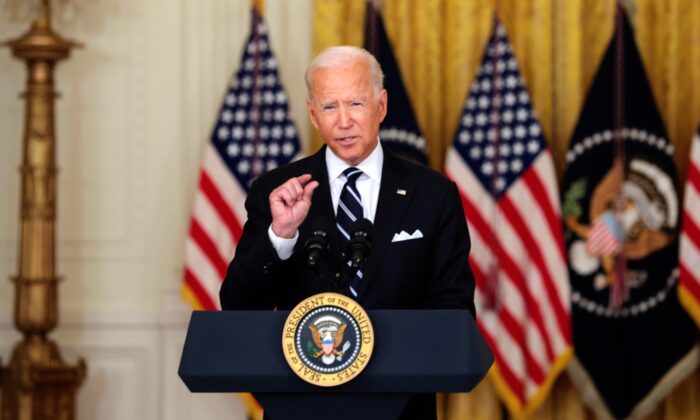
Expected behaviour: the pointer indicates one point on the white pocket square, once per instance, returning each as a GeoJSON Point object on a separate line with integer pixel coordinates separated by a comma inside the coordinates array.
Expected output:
{"type": "Point", "coordinates": [405, 236]}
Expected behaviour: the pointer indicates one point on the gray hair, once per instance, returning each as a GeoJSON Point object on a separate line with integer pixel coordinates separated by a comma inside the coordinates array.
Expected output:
{"type": "Point", "coordinates": [335, 56]}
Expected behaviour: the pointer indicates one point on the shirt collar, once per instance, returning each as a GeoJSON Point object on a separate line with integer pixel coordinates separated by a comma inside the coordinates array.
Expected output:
{"type": "Point", "coordinates": [371, 166]}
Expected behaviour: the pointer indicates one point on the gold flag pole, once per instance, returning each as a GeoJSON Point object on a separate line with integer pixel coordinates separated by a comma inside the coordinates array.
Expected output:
{"type": "Point", "coordinates": [38, 384]}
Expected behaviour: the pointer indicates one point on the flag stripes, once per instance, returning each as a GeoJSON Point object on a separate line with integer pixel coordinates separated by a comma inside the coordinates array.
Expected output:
{"type": "Point", "coordinates": [689, 258]}
{"type": "Point", "coordinates": [518, 234]}
{"type": "Point", "coordinates": [253, 133]}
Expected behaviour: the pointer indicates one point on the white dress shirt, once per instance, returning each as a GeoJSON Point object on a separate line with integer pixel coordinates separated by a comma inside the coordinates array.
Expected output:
{"type": "Point", "coordinates": [367, 184]}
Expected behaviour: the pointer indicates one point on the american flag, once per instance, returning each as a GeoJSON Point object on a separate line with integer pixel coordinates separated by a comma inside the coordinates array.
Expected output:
{"type": "Point", "coordinates": [253, 134]}
{"type": "Point", "coordinates": [606, 236]}
{"type": "Point", "coordinates": [689, 260]}
{"type": "Point", "coordinates": [506, 178]}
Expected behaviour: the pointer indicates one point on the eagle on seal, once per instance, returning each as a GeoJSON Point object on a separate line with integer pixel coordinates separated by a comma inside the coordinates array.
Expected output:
{"type": "Point", "coordinates": [328, 342]}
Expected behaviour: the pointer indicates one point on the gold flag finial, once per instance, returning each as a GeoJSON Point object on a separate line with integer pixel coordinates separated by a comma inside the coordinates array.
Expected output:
{"type": "Point", "coordinates": [259, 5]}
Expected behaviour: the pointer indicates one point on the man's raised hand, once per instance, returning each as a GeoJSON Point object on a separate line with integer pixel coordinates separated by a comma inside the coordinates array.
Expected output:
{"type": "Point", "coordinates": [290, 203]}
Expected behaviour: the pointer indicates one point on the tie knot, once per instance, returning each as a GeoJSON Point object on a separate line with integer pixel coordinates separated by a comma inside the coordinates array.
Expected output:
{"type": "Point", "coordinates": [351, 174]}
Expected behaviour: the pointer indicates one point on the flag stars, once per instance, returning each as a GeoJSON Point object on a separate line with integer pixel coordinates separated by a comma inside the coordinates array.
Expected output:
{"type": "Point", "coordinates": [258, 166]}
{"type": "Point", "coordinates": [271, 63]}
{"type": "Point", "coordinates": [487, 168]}
{"type": "Point", "coordinates": [230, 99]}
{"type": "Point", "coordinates": [287, 148]}
{"type": "Point", "coordinates": [249, 132]}
{"type": "Point", "coordinates": [535, 130]}
{"type": "Point", "coordinates": [508, 116]}
{"type": "Point", "coordinates": [516, 165]}
{"type": "Point", "coordinates": [467, 120]}
{"type": "Point", "coordinates": [518, 148]}
{"type": "Point", "coordinates": [491, 134]}
{"type": "Point", "coordinates": [500, 183]}
{"type": "Point", "coordinates": [504, 150]}
{"type": "Point", "coordinates": [233, 149]}
{"type": "Point", "coordinates": [243, 99]}
{"type": "Point", "coordinates": [533, 146]}
{"type": "Point", "coordinates": [484, 102]}
{"type": "Point", "coordinates": [243, 166]}
{"type": "Point", "coordinates": [510, 99]}
{"type": "Point", "coordinates": [464, 137]}
{"type": "Point", "coordinates": [506, 133]}
{"type": "Point", "coordinates": [521, 114]}
{"type": "Point", "coordinates": [520, 131]}
{"type": "Point", "coordinates": [237, 133]}
{"type": "Point", "coordinates": [281, 97]}
{"type": "Point", "coordinates": [475, 152]}
{"type": "Point", "coordinates": [280, 115]}
{"type": "Point", "coordinates": [511, 82]}
{"type": "Point", "coordinates": [276, 132]}
{"type": "Point", "coordinates": [274, 149]}
{"type": "Point", "coordinates": [478, 136]}
{"type": "Point", "coordinates": [498, 83]}
{"type": "Point", "coordinates": [290, 131]}
{"type": "Point", "coordinates": [481, 119]}
{"type": "Point", "coordinates": [222, 133]}
{"type": "Point", "coordinates": [248, 150]}
{"type": "Point", "coordinates": [489, 151]}
{"type": "Point", "coordinates": [227, 116]}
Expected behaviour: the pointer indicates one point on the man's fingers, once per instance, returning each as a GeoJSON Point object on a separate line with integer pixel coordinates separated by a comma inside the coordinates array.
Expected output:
{"type": "Point", "coordinates": [309, 190]}
{"type": "Point", "coordinates": [303, 179]}
{"type": "Point", "coordinates": [285, 195]}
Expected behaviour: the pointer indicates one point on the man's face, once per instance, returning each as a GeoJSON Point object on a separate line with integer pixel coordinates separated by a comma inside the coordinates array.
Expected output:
{"type": "Point", "coordinates": [345, 110]}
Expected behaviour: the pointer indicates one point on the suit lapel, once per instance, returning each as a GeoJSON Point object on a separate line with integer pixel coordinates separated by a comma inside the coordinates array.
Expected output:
{"type": "Point", "coordinates": [395, 195]}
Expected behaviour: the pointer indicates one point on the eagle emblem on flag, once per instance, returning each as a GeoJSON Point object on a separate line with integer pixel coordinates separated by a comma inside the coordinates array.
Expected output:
{"type": "Point", "coordinates": [635, 216]}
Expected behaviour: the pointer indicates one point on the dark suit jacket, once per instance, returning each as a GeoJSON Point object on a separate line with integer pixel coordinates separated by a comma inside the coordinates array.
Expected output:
{"type": "Point", "coordinates": [430, 272]}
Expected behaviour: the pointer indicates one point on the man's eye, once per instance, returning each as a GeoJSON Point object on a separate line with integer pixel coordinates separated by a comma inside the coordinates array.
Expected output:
{"type": "Point", "coordinates": [356, 104]}
{"type": "Point", "coordinates": [328, 107]}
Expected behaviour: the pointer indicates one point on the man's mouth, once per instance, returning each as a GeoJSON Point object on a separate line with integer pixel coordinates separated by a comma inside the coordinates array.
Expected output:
{"type": "Point", "coordinates": [346, 139]}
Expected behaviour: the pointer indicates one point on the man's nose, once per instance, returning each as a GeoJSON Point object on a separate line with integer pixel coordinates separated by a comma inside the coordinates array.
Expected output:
{"type": "Point", "coordinates": [344, 119]}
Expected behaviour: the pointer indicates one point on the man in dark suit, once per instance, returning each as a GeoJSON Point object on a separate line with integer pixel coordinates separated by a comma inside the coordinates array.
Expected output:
{"type": "Point", "coordinates": [420, 245]}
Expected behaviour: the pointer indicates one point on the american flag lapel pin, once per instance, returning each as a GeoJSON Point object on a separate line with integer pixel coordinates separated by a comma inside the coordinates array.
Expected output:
{"type": "Point", "coordinates": [401, 191]}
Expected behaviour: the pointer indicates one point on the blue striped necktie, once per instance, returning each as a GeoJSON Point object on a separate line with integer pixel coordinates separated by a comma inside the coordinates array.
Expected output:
{"type": "Point", "coordinates": [349, 210]}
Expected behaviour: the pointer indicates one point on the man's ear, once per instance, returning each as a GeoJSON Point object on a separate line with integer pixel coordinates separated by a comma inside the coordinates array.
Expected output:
{"type": "Point", "coordinates": [383, 102]}
{"type": "Point", "coordinates": [312, 113]}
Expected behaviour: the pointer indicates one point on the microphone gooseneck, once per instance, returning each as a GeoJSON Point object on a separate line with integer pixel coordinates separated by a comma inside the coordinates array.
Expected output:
{"type": "Point", "coordinates": [316, 245]}
{"type": "Point", "coordinates": [360, 243]}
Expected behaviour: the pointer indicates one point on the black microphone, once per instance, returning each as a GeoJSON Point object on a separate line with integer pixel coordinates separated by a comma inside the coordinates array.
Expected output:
{"type": "Point", "coordinates": [360, 242]}
{"type": "Point", "coordinates": [316, 245]}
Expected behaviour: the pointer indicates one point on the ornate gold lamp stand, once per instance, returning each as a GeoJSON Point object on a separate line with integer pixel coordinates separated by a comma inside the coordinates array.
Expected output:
{"type": "Point", "coordinates": [37, 384]}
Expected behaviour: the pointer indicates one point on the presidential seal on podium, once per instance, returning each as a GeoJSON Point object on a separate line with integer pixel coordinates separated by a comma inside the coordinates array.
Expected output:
{"type": "Point", "coordinates": [327, 339]}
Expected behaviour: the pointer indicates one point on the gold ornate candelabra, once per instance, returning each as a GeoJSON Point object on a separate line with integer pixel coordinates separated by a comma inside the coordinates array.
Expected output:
{"type": "Point", "coordinates": [37, 384]}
